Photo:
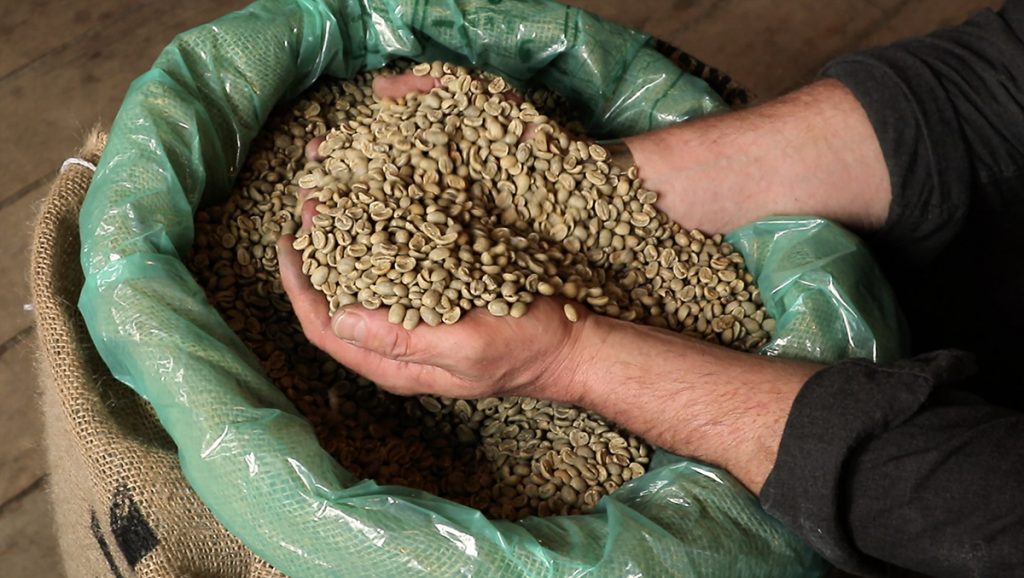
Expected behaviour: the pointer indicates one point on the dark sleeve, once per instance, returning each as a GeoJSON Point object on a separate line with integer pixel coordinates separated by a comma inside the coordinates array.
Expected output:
{"type": "Point", "coordinates": [883, 469]}
{"type": "Point", "coordinates": [948, 110]}
{"type": "Point", "coordinates": [908, 466]}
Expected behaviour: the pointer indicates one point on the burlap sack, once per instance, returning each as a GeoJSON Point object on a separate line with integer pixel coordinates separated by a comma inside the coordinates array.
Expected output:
{"type": "Point", "coordinates": [122, 507]}
{"type": "Point", "coordinates": [121, 504]}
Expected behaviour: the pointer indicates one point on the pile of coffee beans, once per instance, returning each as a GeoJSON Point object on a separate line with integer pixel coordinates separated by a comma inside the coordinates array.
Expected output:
{"type": "Point", "coordinates": [462, 197]}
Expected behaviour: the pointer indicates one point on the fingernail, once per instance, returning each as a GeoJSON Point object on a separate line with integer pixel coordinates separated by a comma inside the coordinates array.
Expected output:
{"type": "Point", "coordinates": [349, 326]}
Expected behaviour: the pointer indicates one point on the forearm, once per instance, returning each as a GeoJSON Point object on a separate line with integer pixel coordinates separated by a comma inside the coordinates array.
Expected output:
{"type": "Point", "coordinates": [697, 399]}
{"type": "Point", "coordinates": [811, 152]}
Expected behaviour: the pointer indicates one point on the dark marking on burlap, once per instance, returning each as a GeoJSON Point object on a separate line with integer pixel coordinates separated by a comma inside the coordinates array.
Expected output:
{"type": "Point", "coordinates": [133, 534]}
{"type": "Point", "coordinates": [97, 533]}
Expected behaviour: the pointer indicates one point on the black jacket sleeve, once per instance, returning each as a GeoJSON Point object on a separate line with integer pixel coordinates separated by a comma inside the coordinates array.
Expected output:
{"type": "Point", "coordinates": [920, 465]}
{"type": "Point", "coordinates": [948, 110]}
{"type": "Point", "coordinates": [883, 469]}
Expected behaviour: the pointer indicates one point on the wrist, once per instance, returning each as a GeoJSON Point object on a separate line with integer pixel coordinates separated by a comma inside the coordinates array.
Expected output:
{"type": "Point", "coordinates": [619, 152]}
{"type": "Point", "coordinates": [613, 358]}
{"type": "Point", "coordinates": [569, 376]}
{"type": "Point", "coordinates": [706, 401]}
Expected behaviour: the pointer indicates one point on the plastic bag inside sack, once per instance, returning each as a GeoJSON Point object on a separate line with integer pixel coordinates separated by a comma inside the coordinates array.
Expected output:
{"type": "Point", "coordinates": [826, 293]}
{"type": "Point", "coordinates": [180, 138]}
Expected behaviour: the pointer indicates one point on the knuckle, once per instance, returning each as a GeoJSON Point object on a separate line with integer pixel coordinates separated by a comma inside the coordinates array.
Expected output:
{"type": "Point", "coordinates": [396, 344]}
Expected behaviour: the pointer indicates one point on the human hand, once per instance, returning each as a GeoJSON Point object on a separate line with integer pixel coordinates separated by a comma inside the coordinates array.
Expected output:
{"type": "Point", "coordinates": [480, 356]}
{"type": "Point", "coordinates": [681, 393]}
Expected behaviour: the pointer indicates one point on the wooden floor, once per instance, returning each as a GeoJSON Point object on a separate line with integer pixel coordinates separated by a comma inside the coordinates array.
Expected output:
{"type": "Point", "coordinates": [65, 65]}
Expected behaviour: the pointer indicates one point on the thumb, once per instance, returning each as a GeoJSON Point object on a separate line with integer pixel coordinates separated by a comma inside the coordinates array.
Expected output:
{"type": "Point", "coordinates": [371, 330]}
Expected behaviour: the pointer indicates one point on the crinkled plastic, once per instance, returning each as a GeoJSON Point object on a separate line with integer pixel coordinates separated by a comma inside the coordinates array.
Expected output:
{"type": "Point", "coordinates": [179, 140]}
{"type": "Point", "coordinates": [826, 293]}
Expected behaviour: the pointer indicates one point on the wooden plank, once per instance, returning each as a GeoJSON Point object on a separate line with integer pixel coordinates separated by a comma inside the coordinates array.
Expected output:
{"type": "Point", "coordinates": [17, 220]}
{"type": "Point", "coordinates": [22, 456]}
{"type": "Point", "coordinates": [904, 20]}
{"type": "Point", "coordinates": [771, 47]}
{"type": "Point", "coordinates": [768, 50]}
{"type": "Point", "coordinates": [642, 14]}
{"type": "Point", "coordinates": [754, 40]}
{"type": "Point", "coordinates": [28, 542]}
{"type": "Point", "coordinates": [32, 29]}
{"type": "Point", "coordinates": [921, 17]}
{"type": "Point", "coordinates": [758, 42]}
{"type": "Point", "coordinates": [46, 108]}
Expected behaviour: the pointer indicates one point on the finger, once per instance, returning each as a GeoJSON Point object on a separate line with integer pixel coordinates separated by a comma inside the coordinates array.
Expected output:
{"type": "Point", "coordinates": [399, 377]}
{"type": "Point", "coordinates": [313, 149]}
{"type": "Point", "coordinates": [399, 86]}
{"type": "Point", "coordinates": [367, 329]}
{"type": "Point", "coordinates": [309, 304]}
{"type": "Point", "coordinates": [311, 309]}
{"type": "Point", "coordinates": [371, 330]}
{"type": "Point", "coordinates": [445, 346]}
{"type": "Point", "coordinates": [306, 209]}
{"type": "Point", "coordinates": [450, 347]}
{"type": "Point", "coordinates": [512, 96]}
{"type": "Point", "coordinates": [529, 130]}
{"type": "Point", "coordinates": [308, 212]}
{"type": "Point", "coordinates": [400, 361]}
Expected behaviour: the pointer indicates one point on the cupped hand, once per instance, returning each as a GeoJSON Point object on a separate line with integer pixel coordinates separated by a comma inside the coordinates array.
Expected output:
{"type": "Point", "coordinates": [479, 356]}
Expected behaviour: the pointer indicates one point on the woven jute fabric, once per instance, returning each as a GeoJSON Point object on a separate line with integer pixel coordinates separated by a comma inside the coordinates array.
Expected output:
{"type": "Point", "coordinates": [121, 504]}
